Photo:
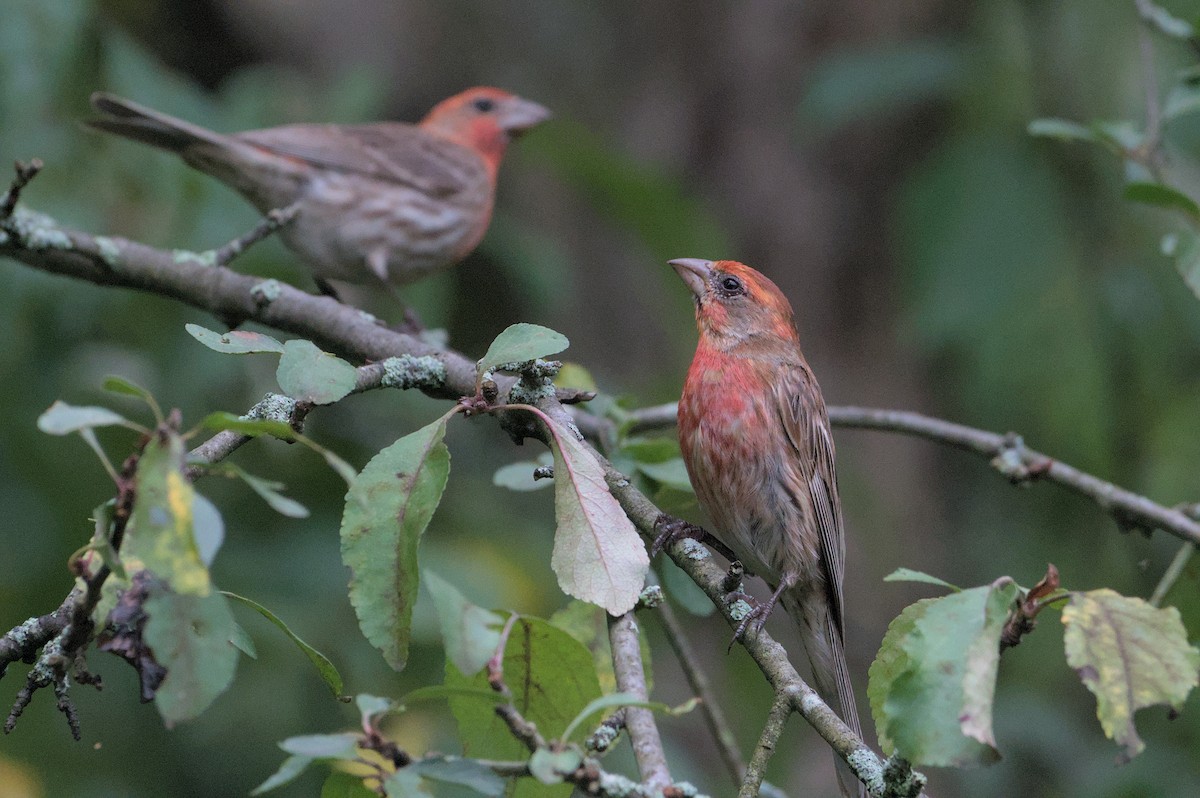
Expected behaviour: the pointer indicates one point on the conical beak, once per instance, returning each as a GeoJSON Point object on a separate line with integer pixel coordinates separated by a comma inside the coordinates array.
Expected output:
{"type": "Point", "coordinates": [521, 115]}
{"type": "Point", "coordinates": [693, 271]}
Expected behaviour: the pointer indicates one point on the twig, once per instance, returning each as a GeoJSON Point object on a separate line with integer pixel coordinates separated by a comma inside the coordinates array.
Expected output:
{"type": "Point", "coordinates": [697, 679]}
{"type": "Point", "coordinates": [639, 721]}
{"type": "Point", "coordinates": [757, 769]}
{"type": "Point", "coordinates": [1172, 574]}
{"type": "Point", "coordinates": [266, 226]}
{"type": "Point", "coordinates": [25, 173]}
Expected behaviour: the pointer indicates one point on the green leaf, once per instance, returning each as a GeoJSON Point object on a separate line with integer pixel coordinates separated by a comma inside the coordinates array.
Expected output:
{"type": "Point", "coordinates": [1130, 655]}
{"type": "Point", "coordinates": [208, 527]}
{"type": "Point", "coordinates": [161, 535]}
{"type": "Point", "coordinates": [598, 555]}
{"type": "Point", "coordinates": [1182, 99]}
{"type": "Point", "coordinates": [267, 489]}
{"type": "Point", "coordinates": [1063, 130]}
{"type": "Point", "coordinates": [242, 641]}
{"type": "Point", "coordinates": [291, 768]}
{"type": "Point", "coordinates": [189, 635]}
{"type": "Point", "coordinates": [404, 784]}
{"type": "Point", "coordinates": [932, 683]}
{"type": "Point", "coordinates": [686, 593]}
{"type": "Point", "coordinates": [471, 634]}
{"type": "Point", "coordinates": [63, 419]}
{"type": "Point", "coordinates": [519, 343]}
{"type": "Point", "coordinates": [234, 342]}
{"type": "Point", "coordinates": [463, 772]}
{"type": "Point", "coordinates": [307, 374]}
{"type": "Point", "coordinates": [651, 450]}
{"type": "Point", "coordinates": [324, 667]}
{"type": "Point", "coordinates": [549, 767]}
{"type": "Point", "coordinates": [1162, 196]}
{"type": "Point", "coordinates": [372, 706]}
{"type": "Point", "coordinates": [909, 575]}
{"type": "Point", "coordinates": [551, 678]}
{"type": "Point", "coordinates": [613, 700]}
{"type": "Point", "coordinates": [342, 747]}
{"type": "Point", "coordinates": [672, 474]}
{"type": "Point", "coordinates": [221, 421]}
{"type": "Point", "coordinates": [435, 692]}
{"type": "Point", "coordinates": [387, 509]}
{"type": "Point", "coordinates": [340, 784]}
{"type": "Point", "coordinates": [123, 387]}
{"type": "Point", "coordinates": [1165, 21]}
{"type": "Point", "coordinates": [519, 476]}
{"type": "Point", "coordinates": [1184, 247]}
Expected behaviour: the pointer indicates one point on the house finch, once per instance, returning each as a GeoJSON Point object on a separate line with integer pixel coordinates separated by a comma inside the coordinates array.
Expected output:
{"type": "Point", "coordinates": [388, 201]}
{"type": "Point", "coordinates": [755, 437]}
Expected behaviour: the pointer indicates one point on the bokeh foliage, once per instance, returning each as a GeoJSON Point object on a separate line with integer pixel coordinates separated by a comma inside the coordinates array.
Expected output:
{"type": "Point", "coordinates": [1020, 287]}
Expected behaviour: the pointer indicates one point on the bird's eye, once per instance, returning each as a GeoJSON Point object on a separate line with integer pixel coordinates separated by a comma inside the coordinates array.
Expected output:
{"type": "Point", "coordinates": [485, 104]}
{"type": "Point", "coordinates": [731, 286]}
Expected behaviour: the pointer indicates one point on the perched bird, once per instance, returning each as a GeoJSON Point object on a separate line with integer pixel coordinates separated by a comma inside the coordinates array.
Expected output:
{"type": "Point", "coordinates": [387, 202]}
{"type": "Point", "coordinates": [756, 441]}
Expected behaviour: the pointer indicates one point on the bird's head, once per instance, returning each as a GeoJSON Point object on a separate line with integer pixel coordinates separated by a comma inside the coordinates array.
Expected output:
{"type": "Point", "coordinates": [736, 306]}
{"type": "Point", "coordinates": [484, 119]}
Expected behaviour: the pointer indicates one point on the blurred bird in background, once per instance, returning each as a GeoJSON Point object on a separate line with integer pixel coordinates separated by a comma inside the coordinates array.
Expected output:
{"type": "Point", "coordinates": [384, 203]}
{"type": "Point", "coordinates": [756, 441]}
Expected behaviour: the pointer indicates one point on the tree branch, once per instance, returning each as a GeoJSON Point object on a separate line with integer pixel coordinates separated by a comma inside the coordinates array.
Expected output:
{"type": "Point", "coordinates": [639, 721]}
{"type": "Point", "coordinates": [698, 680]}
{"type": "Point", "coordinates": [1008, 454]}
{"type": "Point", "coordinates": [776, 719]}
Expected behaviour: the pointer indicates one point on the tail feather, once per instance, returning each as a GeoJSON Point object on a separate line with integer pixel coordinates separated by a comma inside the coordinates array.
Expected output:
{"type": "Point", "coordinates": [148, 126]}
{"type": "Point", "coordinates": [827, 653]}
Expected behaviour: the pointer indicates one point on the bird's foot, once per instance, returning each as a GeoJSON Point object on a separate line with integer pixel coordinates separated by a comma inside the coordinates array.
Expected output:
{"type": "Point", "coordinates": [755, 614]}
{"type": "Point", "coordinates": [671, 530]}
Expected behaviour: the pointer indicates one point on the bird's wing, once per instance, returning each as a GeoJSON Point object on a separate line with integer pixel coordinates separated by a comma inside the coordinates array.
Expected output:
{"type": "Point", "coordinates": [389, 151]}
{"type": "Point", "coordinates": [807, 428]}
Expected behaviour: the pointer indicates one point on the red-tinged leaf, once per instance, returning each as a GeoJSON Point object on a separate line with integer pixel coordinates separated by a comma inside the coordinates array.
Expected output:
{"type": "Point", "coordinates": [598, 556]}
{"type": "Point", "coordinates": [234, 342]}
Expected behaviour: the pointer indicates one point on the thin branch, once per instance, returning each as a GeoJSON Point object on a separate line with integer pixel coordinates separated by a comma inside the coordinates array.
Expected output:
{"type": "Point", "coordinates": [1008, 454]}
{"type": "Point", "coordinates": [639, 721]}
{"type": "Point", "coordinates": [776, 720]}
{"type": "Point", "coordinates": [697, 679]}
{"type": "Point", "coordinates": [1172, 574]}
{"type": "Point", "coordinates": [25, 173]}
{"type": "Point", "coordinates": [269, 224]}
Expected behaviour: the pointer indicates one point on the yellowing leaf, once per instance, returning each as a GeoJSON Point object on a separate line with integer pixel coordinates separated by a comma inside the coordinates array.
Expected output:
{"type": "Point", "coordinates": [1130, 655]}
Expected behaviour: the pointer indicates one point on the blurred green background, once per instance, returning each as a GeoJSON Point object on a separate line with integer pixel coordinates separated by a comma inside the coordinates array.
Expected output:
{"type": "Point", "coordinates": [869, 156]}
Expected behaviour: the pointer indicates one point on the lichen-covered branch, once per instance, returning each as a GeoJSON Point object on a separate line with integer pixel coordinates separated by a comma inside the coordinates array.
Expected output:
{"type": "Point", "coordinates": [639, 722]}
{"type": "Point", "coordinates": [757, 770]}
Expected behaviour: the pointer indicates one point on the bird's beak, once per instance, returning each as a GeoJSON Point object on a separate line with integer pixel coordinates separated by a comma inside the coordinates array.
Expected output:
{"type": "Point", "coordinates": [521, 115]}
{"type": "Point", "coordinates": [693, 271]}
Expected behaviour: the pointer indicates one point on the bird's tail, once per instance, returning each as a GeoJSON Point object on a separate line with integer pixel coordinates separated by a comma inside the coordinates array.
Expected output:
{"type": "Point", "coordinates": [148, 126]}
{"type": "Point", "coordinates": [827, 653]}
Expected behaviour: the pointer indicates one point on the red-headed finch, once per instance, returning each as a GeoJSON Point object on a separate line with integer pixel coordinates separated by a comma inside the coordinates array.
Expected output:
{"type": "Point", "coordinates": [755, 437]}
{"type": "Point", "coordinates": [386, 202]}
